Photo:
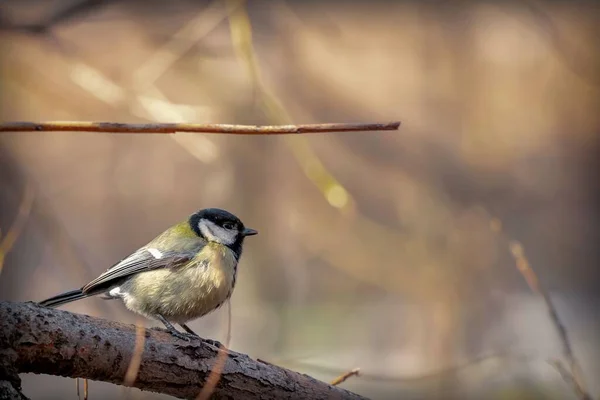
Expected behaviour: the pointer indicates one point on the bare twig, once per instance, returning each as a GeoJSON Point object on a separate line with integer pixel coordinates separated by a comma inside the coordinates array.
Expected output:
{"type": "Point", "coordinates": [576, 375]}
{"type": "Point", "coordinates": [49, 341]}
{"type": "Point", "coordinates": [534, 284]}
{"type": "Point", "coordinates": [343, 377]}
{"type": "Point", "coordinates": [568, 377]}
{"type": "Point", "coordinates": [438, 374]}
{"type": "Point", "coordinates": [115, 127]}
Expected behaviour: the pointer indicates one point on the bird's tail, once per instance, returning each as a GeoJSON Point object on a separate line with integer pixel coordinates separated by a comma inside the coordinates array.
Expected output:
{"type": "Point", "coordinates": [64, 298]}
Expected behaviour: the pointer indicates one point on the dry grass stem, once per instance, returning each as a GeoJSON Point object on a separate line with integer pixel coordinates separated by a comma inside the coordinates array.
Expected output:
{"type": "Point", "coordinates": [345, 376]}
{"type": "Point", "coordinates": [138, 351]}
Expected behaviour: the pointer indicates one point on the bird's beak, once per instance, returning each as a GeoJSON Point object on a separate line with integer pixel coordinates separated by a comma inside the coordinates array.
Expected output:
{"type": "Point", "coordinates": [249, 232]}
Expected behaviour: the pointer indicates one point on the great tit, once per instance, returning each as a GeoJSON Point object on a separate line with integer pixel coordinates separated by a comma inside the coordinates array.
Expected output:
{"type": "Point", "coordinates": [185, 273]}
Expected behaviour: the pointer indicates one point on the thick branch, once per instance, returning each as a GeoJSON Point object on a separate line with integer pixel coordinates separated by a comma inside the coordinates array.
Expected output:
{"type": "Point", "coordinates": [47, 341]}
{"type": "Point", "coordinates": [115, 127]}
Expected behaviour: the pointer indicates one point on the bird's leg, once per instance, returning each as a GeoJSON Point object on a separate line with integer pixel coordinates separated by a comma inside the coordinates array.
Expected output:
{"type": "Point", "coordinates": [172, 329]}
{"type": "Point", "coordinates": [214, 343]}
{"type": "Point", "coordinates": [189, 330]}
{"type": "Point", "coordinates": [183, 336]}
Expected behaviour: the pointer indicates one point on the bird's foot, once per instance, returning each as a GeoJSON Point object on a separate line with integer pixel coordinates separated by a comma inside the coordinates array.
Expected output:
{"type": "Point", "coordinates": [175, 333]}
{"type": "Point", "coordinates": [179, 335]}
{"type": "Point", "coordinates": [213, 343]}
{"type": "Point", "coordinates": [192, 335]}
{"type": "Point", "coordinates": [159, 329]}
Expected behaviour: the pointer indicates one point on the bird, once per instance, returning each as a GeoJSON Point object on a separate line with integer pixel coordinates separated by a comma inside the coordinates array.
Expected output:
{"type": "Point", "coordinates": [186, 272]}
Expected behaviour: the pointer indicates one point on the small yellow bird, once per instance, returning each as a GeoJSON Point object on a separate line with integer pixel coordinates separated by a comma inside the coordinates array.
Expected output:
{"type": "Point", "coordinates": [184, 273]}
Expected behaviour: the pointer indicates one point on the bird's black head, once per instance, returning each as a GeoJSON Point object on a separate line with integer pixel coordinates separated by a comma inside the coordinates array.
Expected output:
{"type": "Point", "coordinates": [216, 225]}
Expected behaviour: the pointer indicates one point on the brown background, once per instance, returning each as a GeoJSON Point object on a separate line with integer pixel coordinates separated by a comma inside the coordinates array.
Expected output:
{"type": "Point", "coordinates": [376, 250]}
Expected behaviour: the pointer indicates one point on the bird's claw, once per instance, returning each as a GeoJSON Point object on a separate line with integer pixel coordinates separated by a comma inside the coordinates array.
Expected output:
{"type": "Point", "coordinates": [183, 336]}
{"type": "Point", "coordinates": [172, 332]}
{"type": "Point", "coordinates": [187, 336]}
{"type": "Point", "coordinates": [214, 343]}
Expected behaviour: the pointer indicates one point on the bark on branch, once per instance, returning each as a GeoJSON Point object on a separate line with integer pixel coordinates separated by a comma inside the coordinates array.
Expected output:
{"type": "Point", "coordinates": [55, 342]}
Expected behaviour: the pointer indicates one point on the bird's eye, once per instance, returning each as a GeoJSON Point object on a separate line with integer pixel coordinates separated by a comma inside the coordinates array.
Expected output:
{"type": "Point", "coordinates": [229, 225]}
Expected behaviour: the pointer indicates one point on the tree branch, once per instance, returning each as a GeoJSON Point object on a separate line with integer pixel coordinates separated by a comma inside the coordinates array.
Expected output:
{"type": "Point", "coordinates": [55, 342]}
{"type": "Point", "coordinates": [115, 127]}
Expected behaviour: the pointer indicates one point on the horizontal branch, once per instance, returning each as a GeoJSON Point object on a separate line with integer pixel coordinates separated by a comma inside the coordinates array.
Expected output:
{"type": "Point", "coordinates": [48, 341]}
{"type": "Point", "coordinates": [115, 127]}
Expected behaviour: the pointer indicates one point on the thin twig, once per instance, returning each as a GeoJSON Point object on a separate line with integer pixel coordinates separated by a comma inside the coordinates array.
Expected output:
{"type": "Point", "coordinates": [522, 263]}
{"type": "Point", "coordinates": [343, 377]}
{"type": "Point", "coordinates": [415, 379]}
{"type": "Point", "coordinates": [534, 284]}
{"type": "Point", "coordinates": [568, 377]}
{"type": "Point", "coordinates": [168, 128]}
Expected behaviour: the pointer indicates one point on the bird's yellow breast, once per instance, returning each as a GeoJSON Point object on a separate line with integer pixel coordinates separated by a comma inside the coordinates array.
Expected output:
{"type": "Point", "coordinates": [184, 293]}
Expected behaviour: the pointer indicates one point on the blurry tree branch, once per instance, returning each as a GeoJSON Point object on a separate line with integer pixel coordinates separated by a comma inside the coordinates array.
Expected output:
{"type": "Point", "coordinates": [40, 340]}
{"type": "Point", "coordinates": [62, 15]}
{"type": "Point", "coordinates": [576, 379]}
{"type": "Point", "coordinates": [571, 52]}
{"type": "Point", "coordinates": [167, 128]}
{"type": "Point", "coordinates": [574, 374]}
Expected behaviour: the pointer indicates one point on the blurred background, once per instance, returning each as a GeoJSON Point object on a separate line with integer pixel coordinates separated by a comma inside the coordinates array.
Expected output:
{"type": "Point", "coordinates": [394, 252]}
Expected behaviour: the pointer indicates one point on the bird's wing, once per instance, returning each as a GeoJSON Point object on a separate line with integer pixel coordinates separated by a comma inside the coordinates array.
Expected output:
{"type": "Point", "coordinates": [145, 259]}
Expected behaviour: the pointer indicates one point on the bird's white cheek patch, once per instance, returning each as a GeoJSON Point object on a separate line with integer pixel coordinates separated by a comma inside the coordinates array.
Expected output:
{"type": "Point", "coordinates": [215, 233]}
{"type": "Point", "coordinates": [115, 292]}
{"type": "Point", "coordinates": [155, 253]}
